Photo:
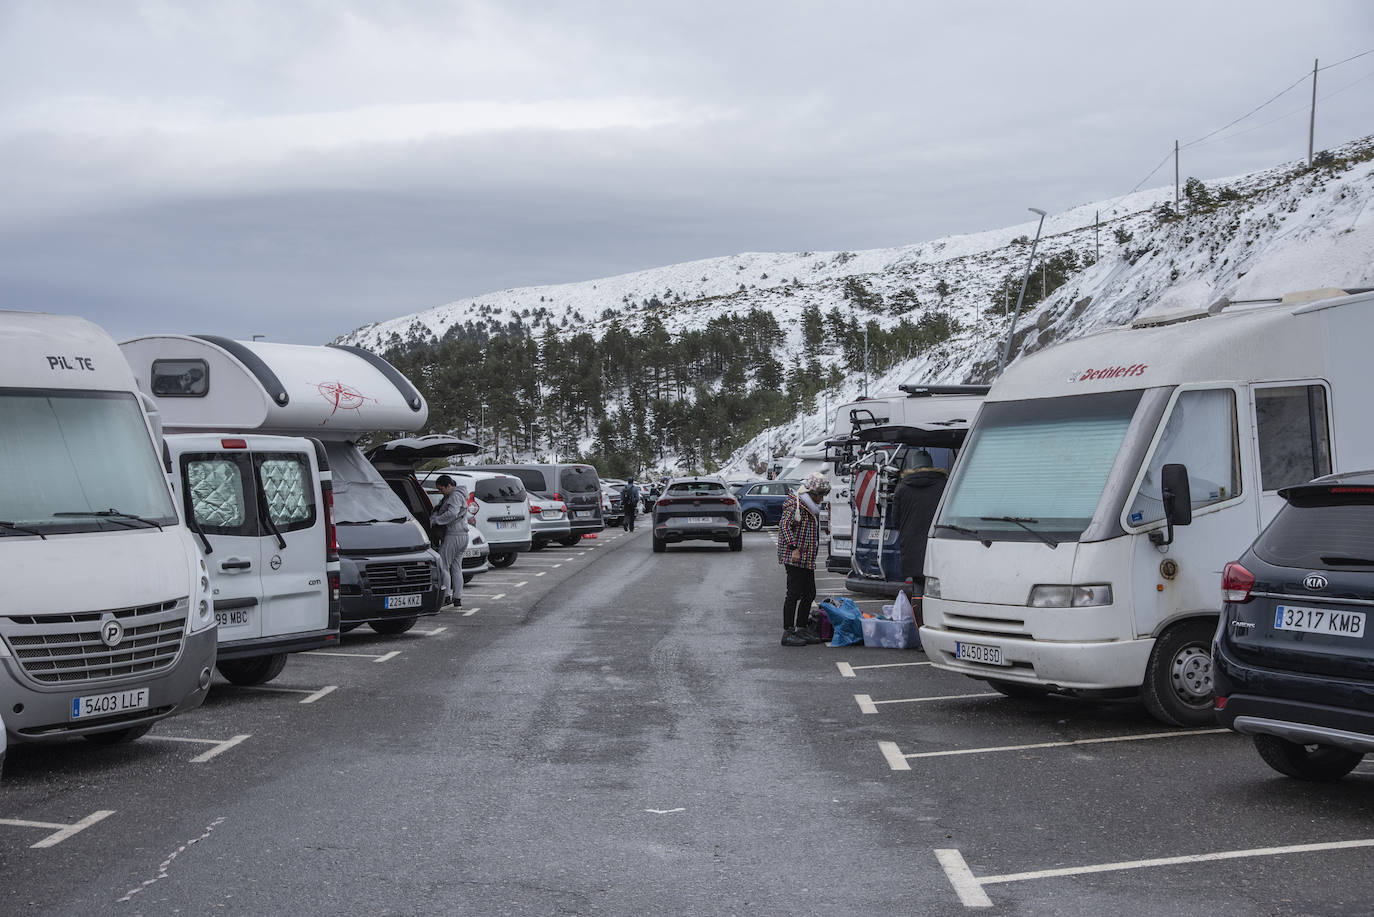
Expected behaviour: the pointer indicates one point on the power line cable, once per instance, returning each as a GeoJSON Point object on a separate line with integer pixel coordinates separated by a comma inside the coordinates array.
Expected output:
{"type": "Point", "coordinates": [1302, 79]}
{"type": "Point", "coordinates": [1347, 60]}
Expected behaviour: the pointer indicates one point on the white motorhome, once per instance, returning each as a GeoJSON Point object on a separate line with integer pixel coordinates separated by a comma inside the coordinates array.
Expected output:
{"type": "Point", "coordinates": [1080, 542]}
{"type": "Point", "coordinates": [106, 623]}
{"type": "Point", "coordinates": [389, 574]}
{"type": "Point", "coordinates": [262, 509]}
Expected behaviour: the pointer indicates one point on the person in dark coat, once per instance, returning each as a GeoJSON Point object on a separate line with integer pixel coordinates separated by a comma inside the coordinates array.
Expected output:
{"type": "Point", "coordinates": [915, 499]}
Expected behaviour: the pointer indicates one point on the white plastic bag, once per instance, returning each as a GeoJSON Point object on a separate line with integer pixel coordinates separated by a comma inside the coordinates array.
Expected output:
{"type": "Point", "coordinates": [901, 609]}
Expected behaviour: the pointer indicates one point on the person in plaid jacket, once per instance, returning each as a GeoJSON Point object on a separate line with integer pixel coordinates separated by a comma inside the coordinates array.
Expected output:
{"type": "Point", "coordinates": [799, 539]}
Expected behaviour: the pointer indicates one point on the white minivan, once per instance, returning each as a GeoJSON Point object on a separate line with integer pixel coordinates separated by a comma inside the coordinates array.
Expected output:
{"type": "Point", "coordinates": [261, 507]}
{"type": "Point", "coordinates": [1080, 543]}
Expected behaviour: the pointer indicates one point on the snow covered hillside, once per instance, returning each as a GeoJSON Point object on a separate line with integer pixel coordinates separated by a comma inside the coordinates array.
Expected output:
{"type": "Point", "coordinates": [1255, 235]}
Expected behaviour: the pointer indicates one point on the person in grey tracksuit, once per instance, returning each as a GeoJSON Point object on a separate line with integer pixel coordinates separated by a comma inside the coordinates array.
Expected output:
{"type": "Point", "coordinates": [452, 515]}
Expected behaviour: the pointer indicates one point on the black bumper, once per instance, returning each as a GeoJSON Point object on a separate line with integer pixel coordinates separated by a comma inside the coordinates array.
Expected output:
{"type": "Point", "coordinates": [507, 547]}
{"type": "Point", "coordinates": [1266, 699]}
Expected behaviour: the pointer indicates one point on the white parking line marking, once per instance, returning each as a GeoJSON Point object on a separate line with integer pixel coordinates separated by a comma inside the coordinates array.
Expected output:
{"type": "Point", "coordinates": [889, 748]}
{"type": "Point", "coordinates": [313, 694]}
{"type": "Point", "coordinates": [541, 573]}
{"type": "Point", "coordinates": [469, 612]}
{"type": "Point", "coordinates": [966, 885]}
{"type": "Point", "coordinates": [60, 832]}
{"type": "Point", "coordinates": [373, 656]}
{"type": "Point", "coordinates": [848, 670]}
{"type": "Point", "coordinates": [895, 759]}
{"type": "Point", "coordinates": [218, 746]}
{"type": "Point", "coordinates": [430, 633]}
{"type": "Point", "coordinates": [969, 887]}
{"type": "Point", "coordinates": [869, 705]}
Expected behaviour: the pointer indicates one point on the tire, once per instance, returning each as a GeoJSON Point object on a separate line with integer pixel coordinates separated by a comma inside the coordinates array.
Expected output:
{"type": "Point", "coordinates": [1306, 762]}
{"type": "Point", "coordinates": [118, 736]}
{"type": "Point", "coordinates": [737, 543]}
{"type": "Point", "coordinates": [753, 520]}
{"type": "Point", "coordinates": [467, 577]}
{"type": "Point", "coordinates": [659, 545]}
{"type": "Point", "coordinates": [500, 561]}
{"type": "Point", "coordinates": [570, 541]}
{"type": "Point", "coordinates": [256, 671]}
{"type": "Point", "coordinates": [393, 626]}
{"type": "Point", "coordinates": [1178, 679]}
{"type": "Point", "coordinates": [1016, 689]}
{"type": "Point", "coordinates": [538, 544]}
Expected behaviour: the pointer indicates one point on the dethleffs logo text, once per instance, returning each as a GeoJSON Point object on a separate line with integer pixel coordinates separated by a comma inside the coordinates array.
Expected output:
{"type": "Point", "coordinates": [1111, 372]}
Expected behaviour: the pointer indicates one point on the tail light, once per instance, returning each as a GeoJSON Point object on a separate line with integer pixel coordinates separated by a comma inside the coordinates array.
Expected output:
{"type": "Point", "coordinates": [1236, 583]}
{"type": "Point", "coordinates": [472, 504]}
{"type": "Point", "coordinates": [536, 509]}
{"type": "Point", "coordinates": [333, 587]}
{"type": "Point", "coordinates": [557, 495]}
{"type": "Point", "coordinates": [233, 443]}
{"type": "Point", "coordinates": [730, 501]}
{"type": "Point", "coordinates": [563, 507]}
{"type": "Point", "coordinates": [331, 535]}
{"type": "Point", "coordinates": [664, 501]}
{"type": "Point", "coordinates": [1219, 703]}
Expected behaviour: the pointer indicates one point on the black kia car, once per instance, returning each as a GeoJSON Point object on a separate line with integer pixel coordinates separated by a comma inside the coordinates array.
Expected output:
{"type": "Point", "coordinates": [1293, 659]}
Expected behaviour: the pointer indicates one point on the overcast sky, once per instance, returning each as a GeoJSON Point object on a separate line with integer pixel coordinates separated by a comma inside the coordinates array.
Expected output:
{"type": "Point", "coordinates": [296, 169]}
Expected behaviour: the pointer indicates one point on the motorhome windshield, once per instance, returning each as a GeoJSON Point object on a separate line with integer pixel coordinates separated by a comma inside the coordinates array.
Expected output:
{"type": "Point", "coordinates": [361, 494]}
{"type": "Point", "coordinates": [66, 454]}
{"type": "Point", "coordinates": [1037, 468]}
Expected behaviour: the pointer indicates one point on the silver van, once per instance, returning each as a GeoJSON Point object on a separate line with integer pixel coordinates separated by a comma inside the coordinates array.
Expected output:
{"type": "Point", "coordinates": [577, 485]}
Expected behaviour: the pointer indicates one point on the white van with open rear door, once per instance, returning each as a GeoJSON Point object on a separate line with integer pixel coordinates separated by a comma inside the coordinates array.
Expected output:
{"type": "Point", "coordinates": [388, 573]}
{"type": "Point", "coordinates": [1107, 482]}
{"type": "Point", "coordinates": [261, 507]}
{"type": "Point", "coordinates": [106, 624]}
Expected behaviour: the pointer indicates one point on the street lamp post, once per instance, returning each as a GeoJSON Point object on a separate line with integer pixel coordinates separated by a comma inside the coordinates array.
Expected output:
{"type": "Point", "coordinates": [1006, 350]}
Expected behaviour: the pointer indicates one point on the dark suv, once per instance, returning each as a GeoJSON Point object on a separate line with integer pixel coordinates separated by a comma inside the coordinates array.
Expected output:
{"type": "Point", "coordinates": [1293, 659]}
{"type": "Point", "coordinates": [697, 508]}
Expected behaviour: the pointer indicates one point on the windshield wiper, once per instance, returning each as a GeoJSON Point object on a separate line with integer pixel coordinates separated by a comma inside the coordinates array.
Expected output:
{"type": "Point", "coordinates": [23, 530]}
{"type": "Point", "coordinates": [1333, 561]}
{"type": "Point", "coordinates": [1022, 521]}
{"type": "Point", "coordinates": [114, 514]}
{"type": "Point", "coordinates": [987, 542]}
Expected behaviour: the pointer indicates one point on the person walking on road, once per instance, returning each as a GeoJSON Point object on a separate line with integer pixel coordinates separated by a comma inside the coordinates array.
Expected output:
{"type": "Point", "coordinates": [452, 515]}
{"type": "Point", "coordinates": [914, 500]}
{"type": "Point", "coordinates": [629, 504]}
{"type": "Point", "coordinates": [799, 538]}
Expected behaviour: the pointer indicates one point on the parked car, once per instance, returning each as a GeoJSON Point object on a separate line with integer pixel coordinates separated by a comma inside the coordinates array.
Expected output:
{"type": "Point", "coordinates": [577, 485]}
{"type": "Point", "coordinates": [548, 522]}
{"type": "Point", "coordinates": [696, 508]}
{"type": "Point", "coordinates": [612, 512]}
{"type": "Point", "coordinates": [1293, 659]}
{"type": "Point", "coordinates": [502, 509]}
{"type": "Point", "coordinates": [760, 502]}
{"type": "Point", "coordinates": [476, 554]}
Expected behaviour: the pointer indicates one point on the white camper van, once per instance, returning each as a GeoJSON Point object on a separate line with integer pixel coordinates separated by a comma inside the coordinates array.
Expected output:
{"type": "Point", "coordinates": [261, 507]}
{"type": "Point", "coordinates": [389, 574]}
{"type": "Point", "coordinates": [1080, 543]}
{"type": "Point", "coordinates": [105, 617]}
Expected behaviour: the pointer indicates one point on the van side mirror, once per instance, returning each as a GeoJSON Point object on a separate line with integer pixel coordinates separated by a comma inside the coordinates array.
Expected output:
{"type": "Point", "coordinates": [1178, 502]}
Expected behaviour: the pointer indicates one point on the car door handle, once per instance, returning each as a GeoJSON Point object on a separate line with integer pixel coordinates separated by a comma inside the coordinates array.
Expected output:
{"type": "Point", "coordinates": [236, 563]}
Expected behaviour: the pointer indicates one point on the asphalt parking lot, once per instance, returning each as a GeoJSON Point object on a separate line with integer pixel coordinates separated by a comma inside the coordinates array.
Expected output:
{"type": "Point", "coordinates": [605, 730]}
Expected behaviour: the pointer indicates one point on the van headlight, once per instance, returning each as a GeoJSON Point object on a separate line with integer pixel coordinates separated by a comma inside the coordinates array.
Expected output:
{"type": "Point", "coordinates": [1050, 596]}
{"type": "Point", "coordinates": [931, 590]}
{"type": "Point", "coordinates": [202, 613]}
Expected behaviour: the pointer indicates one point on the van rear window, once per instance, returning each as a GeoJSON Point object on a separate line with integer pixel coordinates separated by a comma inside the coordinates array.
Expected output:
{"type": "Point", "coordinates": [505, 489]}
{"type": "Point", "coordinates": [578, 480]}
{"type": "Point", "coordinates": [532, 478]}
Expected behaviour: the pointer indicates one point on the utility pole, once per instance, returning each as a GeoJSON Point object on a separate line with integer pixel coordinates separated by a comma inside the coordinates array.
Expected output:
{"type": "Point", "coordinates": [1043, 292]}
{"type": "Point", "coordinates": [1176, 197]}
{"type": "Point", "coordinates": [1312, 121]}
{"type": "Point", "coordinates": [1011, 332]}
{"type": "Point", "coordinates": [1097, 239]}
{"type": "Point", "coordinates": [865, 359]}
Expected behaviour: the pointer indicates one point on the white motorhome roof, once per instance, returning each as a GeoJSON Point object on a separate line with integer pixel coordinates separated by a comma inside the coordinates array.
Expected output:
{"type": "Point", "coordinates": [332, 392]}
{"type": "Point", "coordinates": [1291, 339]}
{"type": "Point", "coordinates": [38, 350]}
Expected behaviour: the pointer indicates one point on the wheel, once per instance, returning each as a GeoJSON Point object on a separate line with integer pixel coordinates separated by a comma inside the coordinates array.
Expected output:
{"type": "Point", "coordinates": [538, 544]}
{"type": "Point", "coordinates": [570, 541]}
{"type": "Point", "coordinates": [1016, 689]}
{"type": "Point", "coordinates": [467, 577]}
{"type": "Point", "coordinates": [256, 671]}
{"type": "Point", "coordinates": [737, 543]}
{"type": "Point", "coordinates": [118, 736]}
{"type": "Point", "coordinates": [393, 626]}
{"type": "Point", "coordinates": [1306, 762]}
{"type": "Point", "coordinates": [345, 628]}
{"type": "Point", "coordinates": [659, 545]}
{"type": "Point", "coordinates": [753, 520]}
{"type": "Point", "coordinates": [1178, 679]}
{"type": "Point", "coordinates": [504, 559]}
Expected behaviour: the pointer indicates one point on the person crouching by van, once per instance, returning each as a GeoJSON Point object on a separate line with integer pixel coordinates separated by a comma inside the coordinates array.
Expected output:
{"type": "Point", "coordinates": [452, 515]}
{"type": "Point", "coordinates": [915, 499]}
{"type": "Point", "coordinates": [799, 538]}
